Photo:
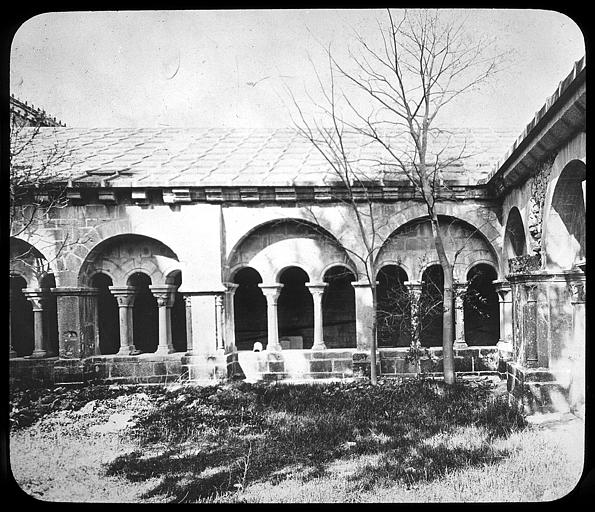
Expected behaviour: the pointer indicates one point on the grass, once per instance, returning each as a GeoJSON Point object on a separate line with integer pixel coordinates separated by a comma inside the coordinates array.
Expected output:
{"type": "Point", "coordinates": [399, 441]}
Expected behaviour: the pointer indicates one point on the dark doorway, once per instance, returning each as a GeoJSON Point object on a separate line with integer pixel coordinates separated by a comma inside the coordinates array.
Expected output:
{"type": "Point", "coordinates": [178, 318]}
{"type": "Point", "coordinates": [393, 310]}
{"type": "Point", "coordinates": [338, 309]}
{"type": "Point", "coordinates": [50, 315]}
{"type": "Point", "coordinates": [481, 309]}
{"type": "Point", "coordinates": [431, 307]}
{"type": "Point", "coordinates": [145, 319]}
{"type": "Point", "coordinates": [295, 306]}
{"type": "Point", "coordinates": [250, 310]}
{"type": "Point", "coordinates": [107, 311]}
{"type": "Point", "coordinates": [21, 318]}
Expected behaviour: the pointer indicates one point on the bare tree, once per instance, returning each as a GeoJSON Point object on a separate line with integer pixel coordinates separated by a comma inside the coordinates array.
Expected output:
{"type": "Point", "coordinates": [36, 190]}
{"type": "Point", "coordinates": [422, 64]}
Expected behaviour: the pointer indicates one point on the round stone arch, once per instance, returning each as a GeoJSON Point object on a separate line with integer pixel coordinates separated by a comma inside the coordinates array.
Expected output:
{"type": "Point", "coordinates": [515, 237]}
{"type": "Point", "coordinates": [484, 220]}
{"type": "Point", "coordinates": [394, 263]}
{"type": "Point", "coordinates": [480, 262]}
{"type": "Point", "coordinates": [122, 255]}
{"type": "Point", "coordinates": [426, 266]}
{"type": "Point", "coordinates": [411, 245]}
{"type": "Point", "coordinates": [276, 245]}
{"type": "Point", "coordinates": [289, 265]}
{"type": "Point", "coordinates": [321, 277]}
{"type": "Point", "coordinates": [564, 219]}
{"type": "Point", "coordinates": [28, 262]}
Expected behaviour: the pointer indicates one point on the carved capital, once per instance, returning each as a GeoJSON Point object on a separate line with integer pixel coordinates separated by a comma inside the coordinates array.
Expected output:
{"type": "Point", "coordinates": [414, 288]}
{"type": "Point", "coordinates": [577, 289]}
{"type": "Point", "coordinates": [125, 295]}
{"type": "Point", "coordinates": [37, 297]}
{"type": "Point", "coordinates": [271, 291]}
{"type": "Point", "coordinates": [531, 291]}
{"type": "Point", "coordinates": [165, 295]}
{"type": "Point", "coordinates": [316, 289]}
{"type": "Point", "coordinates": [231, 288]}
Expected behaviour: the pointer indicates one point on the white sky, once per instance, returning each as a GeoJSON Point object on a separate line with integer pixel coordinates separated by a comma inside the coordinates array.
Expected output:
{"type": "Point", "coordinates": [118, 69]}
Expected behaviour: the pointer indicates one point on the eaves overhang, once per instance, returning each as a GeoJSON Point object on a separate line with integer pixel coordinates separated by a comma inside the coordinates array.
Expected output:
{"type": "Point", "coordinates": [561, 117]}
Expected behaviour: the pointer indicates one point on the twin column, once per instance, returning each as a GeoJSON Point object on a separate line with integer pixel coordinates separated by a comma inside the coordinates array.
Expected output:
{"type": "Point", "coordinates": [272, 292]}
{"type": "Point", "coordinates": [125, 295]}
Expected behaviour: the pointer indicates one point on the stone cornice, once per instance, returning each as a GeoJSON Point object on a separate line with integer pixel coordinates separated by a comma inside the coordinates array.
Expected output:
{"type": "Point", "coordinates": [560, 118]}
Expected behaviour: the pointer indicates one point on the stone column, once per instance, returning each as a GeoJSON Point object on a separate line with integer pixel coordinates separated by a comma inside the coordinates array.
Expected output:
{"type": "Point", "coordinates": [317, 291]}
{"type": "Point", "coordinates": [530, 326]}
{"type": "Point", "coordinates": [77, 321]}
{"type": "Point", "coordinates": [364, 315]}
{"type": "Point", "coordinates": [12, 351]}
{"type": "Point", "coordinates": [203, 323]}
{"type": "Point", "coordinates": [414, 288]}
{"type": "Point", "coordinates": [188, 306]}
{"type": "Point", "coordinates": [272, 292]}
{"type": "Point", "coordinates": [505, 302]}
{"type": "Point", "coordinates": [125, 296]}
{"type": "Point", "coordinates": [37, 297]}
{"type": "Point", "coordinates": [459, 290]}
{"type": "Point", "coordinates": [165, 296]}
{"type": "Point", "coordinates": [230, 321]}
{"type": "Point", "coordinates": [577, 350]}
{"type": "Point", "coordinates": [220, 323]}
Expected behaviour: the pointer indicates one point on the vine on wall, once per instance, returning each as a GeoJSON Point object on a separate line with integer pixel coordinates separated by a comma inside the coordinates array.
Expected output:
{"type": "Point", "coordinates": [539, 185]}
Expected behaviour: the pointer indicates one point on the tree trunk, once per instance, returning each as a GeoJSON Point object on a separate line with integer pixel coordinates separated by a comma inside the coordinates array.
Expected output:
{"type": "Point", "coordinates": [447, 326]}
{"type": "Point", "coordinates": [447, 304]}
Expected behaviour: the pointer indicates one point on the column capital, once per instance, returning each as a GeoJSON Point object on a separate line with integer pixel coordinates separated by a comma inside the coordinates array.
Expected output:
{"type": "Point", "coordinates": [125, 295]}
{"type": "Point", "coordinates": [362, 284]}
{"type": "Point", "coordinates": [316, 288]}
{"type": "Point", "coordinates": [164, 294]}
{"type": "Point", "coordinates": [231, 287]}
{"type": "Point", "coordinates": [501, 284]}
{"type": "Point", "coordinates": [271, 291]}
{"type": "Point", "coordinates": [75, 291]}
{"type": "Point", "coordinates": [37, 297]}
{"type": "Point", "coordinates": [577, 290]}
{"type": "Point", "coordinates": [414, 288]}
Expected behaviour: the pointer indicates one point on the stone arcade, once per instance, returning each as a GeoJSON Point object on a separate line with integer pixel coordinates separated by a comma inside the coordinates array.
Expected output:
{"type": "Point", "coordinates": [179, 250]}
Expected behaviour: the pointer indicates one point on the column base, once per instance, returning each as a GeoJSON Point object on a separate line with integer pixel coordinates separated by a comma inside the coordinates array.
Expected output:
{"type": "Point", "coordinates": [458, 345]}
{"type": "Point", "coordinates": [320, 346]}
{"type": "Point", "coordinates": [130, 350]}
{"type": "Point", "coordinates": [276, 348]}
{"type": "Point", "coordinates": [38, 354]}
{"type": "Point", "coordinates": [505, 346]}
{"type": "Point", "coordinates": [162, 351]}
{"type": "Point", "coordinates": [12, 354]}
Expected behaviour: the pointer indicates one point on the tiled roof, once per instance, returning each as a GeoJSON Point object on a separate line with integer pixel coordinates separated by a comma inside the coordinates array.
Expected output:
{"type": "Point", "coordinates": [195, 157]}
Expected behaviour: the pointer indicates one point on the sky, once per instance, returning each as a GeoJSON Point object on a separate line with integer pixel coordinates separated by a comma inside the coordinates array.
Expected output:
{"type": "Point", "coordinates": [233, 68]}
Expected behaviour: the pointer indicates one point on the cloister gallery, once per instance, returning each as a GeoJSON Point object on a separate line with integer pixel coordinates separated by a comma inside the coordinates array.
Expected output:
{"type": "Point", "coordinates": [179, 252]}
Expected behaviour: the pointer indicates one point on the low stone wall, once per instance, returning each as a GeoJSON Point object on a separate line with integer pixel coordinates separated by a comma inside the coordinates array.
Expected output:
{"type": "Point", "coordinates": [251, 366]}
{"type": "Point", "coordinates": [296, 364]}
{"type": "Point", "coordinates": [536, 389]}
{"type": "Point", "coordinates": [307, 364]}
{"type": "Point", "coordinates": [468, 361]}
{"type": "Point", "coordinates": [27, 373]}
{"type": "Point", "coordinates": [141, 369]}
